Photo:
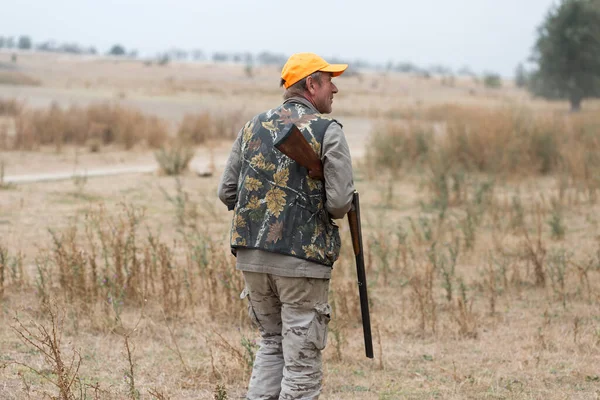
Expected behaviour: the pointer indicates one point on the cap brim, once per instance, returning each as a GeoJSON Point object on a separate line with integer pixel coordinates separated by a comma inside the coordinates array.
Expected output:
{"type": "Point", "coordinates": [335, 69]}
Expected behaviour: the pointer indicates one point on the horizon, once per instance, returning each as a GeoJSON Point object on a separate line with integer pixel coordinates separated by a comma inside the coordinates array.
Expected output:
{"type": "Point", "coordinates": [482, 35]}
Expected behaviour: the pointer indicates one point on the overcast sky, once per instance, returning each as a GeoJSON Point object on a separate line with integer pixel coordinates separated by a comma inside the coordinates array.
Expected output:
{"type": "Point", "coordinates": [487, 35]}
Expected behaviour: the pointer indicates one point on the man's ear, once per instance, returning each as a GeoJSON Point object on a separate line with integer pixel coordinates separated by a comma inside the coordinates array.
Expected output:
{"type": "Point", "coordinates": [311, 84]}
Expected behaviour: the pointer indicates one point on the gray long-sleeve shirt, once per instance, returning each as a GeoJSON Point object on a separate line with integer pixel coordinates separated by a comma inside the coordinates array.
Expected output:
{"type": "Point", "coordinates": [339, 188]}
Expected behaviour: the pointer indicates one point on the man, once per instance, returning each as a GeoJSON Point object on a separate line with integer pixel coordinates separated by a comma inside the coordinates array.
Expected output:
{"type": "Point", "coordinates": [282, 232]}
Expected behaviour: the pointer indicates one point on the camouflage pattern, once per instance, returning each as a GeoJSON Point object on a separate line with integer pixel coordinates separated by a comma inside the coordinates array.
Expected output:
{"type": "Point", "coordinates": [292, 315]}
{"type": "Point", "coordinates": [279, 207]}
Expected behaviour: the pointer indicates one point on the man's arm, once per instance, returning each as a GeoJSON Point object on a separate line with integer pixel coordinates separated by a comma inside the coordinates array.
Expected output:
{"type": "Point", "coordinates": [337, 169]}
{"type": "Point", "coordinates": [227, 191]}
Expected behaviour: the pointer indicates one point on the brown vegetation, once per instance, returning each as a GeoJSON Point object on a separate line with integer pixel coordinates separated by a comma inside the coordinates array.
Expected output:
{"type": "Point", "coordinates": [200, 128]}
{"type": "Point", "coordinates": [481, 246]}
{"type": "Point", "coordinates": [105, 124]}
{"type": "Point", "coordinates": [17, 79]}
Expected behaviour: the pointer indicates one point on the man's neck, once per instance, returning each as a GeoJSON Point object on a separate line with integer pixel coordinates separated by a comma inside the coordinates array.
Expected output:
{"type": "Point", "coordinates": [305, 99]}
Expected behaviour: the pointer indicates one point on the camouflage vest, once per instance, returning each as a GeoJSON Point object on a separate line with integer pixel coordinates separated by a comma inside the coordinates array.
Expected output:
{"type": "Point", "coordinates": [279, 207]}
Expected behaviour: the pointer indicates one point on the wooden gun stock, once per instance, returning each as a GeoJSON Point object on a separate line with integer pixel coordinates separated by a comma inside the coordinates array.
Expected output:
{"type": "Point", "coordinates": [293, 144]}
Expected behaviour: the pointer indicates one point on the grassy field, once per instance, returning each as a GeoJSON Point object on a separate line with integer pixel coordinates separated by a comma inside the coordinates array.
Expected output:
{"type": "Point", "coordinates": [480, 223]}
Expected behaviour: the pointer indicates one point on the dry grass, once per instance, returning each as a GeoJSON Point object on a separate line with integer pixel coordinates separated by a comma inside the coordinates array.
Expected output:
{"type": "Point", "coordinates": [10, 107]}
{"type": "Point", "coordinates": [450, 297]}
{"type": "Point", "coordinates": [17, 79]}
{"type": "Point", "coordinates": [108, 267]}
{"type": "Point", "coordinates": [174, 159]}
{"type": "Point", "coordinates": [502, 142]}
{"type": "Point", "coordinates": [483, 270]}
{"type": "Point", "coordinates": [200, 128]}
{"type": "Point", "coordinates": [105, 124]}
{"type": "Point", "coordinates": [93, 126]}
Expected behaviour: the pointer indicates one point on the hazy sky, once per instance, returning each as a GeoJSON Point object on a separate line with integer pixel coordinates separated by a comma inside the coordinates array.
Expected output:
{"type": "Point", "coordinates": [487, 35]}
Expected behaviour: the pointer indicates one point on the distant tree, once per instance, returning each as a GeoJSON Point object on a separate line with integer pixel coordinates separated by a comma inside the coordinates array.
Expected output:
{"type": "Point", "coordinates": [361, 64]}
{"type": "Point", "coordinates": [2, 42]}
{"type": "Point", "coordinates": [423, 73]}
{"type": "Point", "coordinates": [198, 55]}
{"type": "Point", "coordinates": [117, 50]}
{"type": "Point", "coordinates": [220, 57]}
{"type": "Point", "coordinates": [163, 59]}
{"type": "Point", "coordinates": [10, 42]}
{"type": "Point", "coordinates": [407, 67]}
{"type": "Point", "coordinates": [266, 58]}
{"type": "Point", "coordinates": [567, 53]}
{"type": "Point", "coordinates": [466, 71]}
{"type": "Point", "coordinates": [71, 48]}
{"type": "Point", "coordinates": [440, 70]}
{"type": "Point", "coordinates": [24, 43]}
{"type": "Point", "coordinates": [521, 76]}
{"type": "Point", "coordinates": [46, 46]}
{"type": "Point", "coordinates": [248, 58]}
{"type": "Point", "coordinates": [492, 80]}
{"type": "Point", "coordinates": [177, 54]}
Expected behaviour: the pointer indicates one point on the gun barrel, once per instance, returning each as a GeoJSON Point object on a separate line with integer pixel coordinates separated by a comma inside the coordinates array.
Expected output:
{"type": "Point", "coordinates": [356, 232]}
{"type": "Point", "coordinates": [293, 144]}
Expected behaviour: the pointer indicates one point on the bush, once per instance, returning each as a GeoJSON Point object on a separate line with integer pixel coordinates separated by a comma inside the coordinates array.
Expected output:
{"type": "Point", "coordinates": [396, 145]}
{"type": "Point", "coordinates": [174, 160]}
{"type": "Point", "coordinates": [505, 141]}
{"type": "Point", "coordinates": [491, 80]}
{"type": "Point", "coordinates": [103, 123]}
{"type": "Point", "coordinates": [10, 107]}
{"type": "Point", "coordinates": [117, 50]}
{"type": "Point", "coordinates": [199, 128]}
{"type": "Point", "coordinates": [196, 128]}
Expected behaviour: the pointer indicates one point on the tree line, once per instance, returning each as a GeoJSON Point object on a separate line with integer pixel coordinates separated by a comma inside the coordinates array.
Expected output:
{"type": "Point", "coordinates": [565, 58]}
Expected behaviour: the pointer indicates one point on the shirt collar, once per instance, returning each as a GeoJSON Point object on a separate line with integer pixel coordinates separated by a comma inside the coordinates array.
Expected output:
{"type": "Point", "coordinates": [303, 101]}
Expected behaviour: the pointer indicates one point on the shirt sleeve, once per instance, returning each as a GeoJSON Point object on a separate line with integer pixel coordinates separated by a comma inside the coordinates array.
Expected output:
{"type": "Point", "coordinates": [337, 168]}
{"type": "Point", "coordinates": [227, 190]}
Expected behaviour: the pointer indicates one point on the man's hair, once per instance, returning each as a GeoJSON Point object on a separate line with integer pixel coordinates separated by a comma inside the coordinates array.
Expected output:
{"type": "Point", "coordinates": [298, 88]}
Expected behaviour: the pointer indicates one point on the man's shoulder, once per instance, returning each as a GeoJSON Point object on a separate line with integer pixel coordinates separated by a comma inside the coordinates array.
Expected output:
{"type": "Point", "coordinates": [260, 117]}
{"type": "Point", "coordinates": [332, 123]}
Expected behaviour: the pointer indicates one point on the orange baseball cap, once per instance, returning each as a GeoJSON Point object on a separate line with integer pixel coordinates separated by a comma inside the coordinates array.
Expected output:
{"type": "Point", "coordinates": [301, 65]}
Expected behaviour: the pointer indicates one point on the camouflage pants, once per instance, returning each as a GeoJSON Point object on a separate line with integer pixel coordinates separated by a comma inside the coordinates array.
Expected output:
{"type": "Point", "coordinates": [292, 316]}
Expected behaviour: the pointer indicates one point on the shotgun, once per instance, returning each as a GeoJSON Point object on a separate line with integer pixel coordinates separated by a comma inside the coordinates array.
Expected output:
{"type": "Point", "coordinates": [293, 144]}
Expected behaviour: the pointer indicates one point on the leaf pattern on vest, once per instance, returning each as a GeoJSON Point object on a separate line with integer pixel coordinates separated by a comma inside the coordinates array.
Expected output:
{"type": "Point", "coordinates": [316, 146]}
{"type": "Point", "coordinates": [254, 203]}
{"type": "Point", "coordinates": [275, 201]}
{"type": "Point", "coordinates": [253, 184]}
{"type": "Point", "coordinates": [279, 207]}
{"type": "Point", "coordinates": [269, 126]}
{"type": "Point", "coordinates": [259, 162]}
{"type": "Point", "coordinates": [247, 133]}
{"type": "Point", "coordinates": [281, 177]}
{"type": "Point", "coordinates": [275, 232]}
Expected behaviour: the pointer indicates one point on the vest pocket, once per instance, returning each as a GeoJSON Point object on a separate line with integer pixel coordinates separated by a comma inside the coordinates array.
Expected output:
{"type": "Point", "coordinates": [317, 331]}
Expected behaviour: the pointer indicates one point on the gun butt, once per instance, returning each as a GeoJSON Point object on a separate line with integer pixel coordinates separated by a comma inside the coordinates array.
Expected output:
{"type": "Point", "coordinates": [293, 144]}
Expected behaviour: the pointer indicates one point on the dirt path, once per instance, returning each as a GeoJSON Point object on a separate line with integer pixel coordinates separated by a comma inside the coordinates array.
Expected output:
{"type": "Point", "coordinates": [201, 165]}
{"type": "Point", "coordinates": [59, 176]}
